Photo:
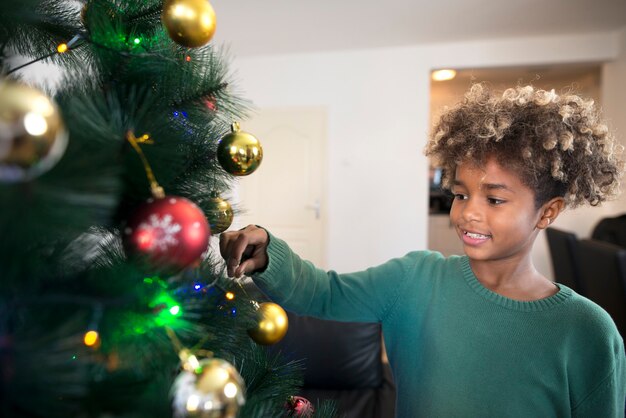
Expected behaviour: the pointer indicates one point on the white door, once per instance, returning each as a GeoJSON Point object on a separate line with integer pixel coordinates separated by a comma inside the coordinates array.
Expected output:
{"type": "Point", "coordinates": [286, 194]}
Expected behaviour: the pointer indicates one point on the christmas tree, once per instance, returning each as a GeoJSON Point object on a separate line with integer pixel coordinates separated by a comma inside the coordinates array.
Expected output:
{"type": "Point", "coordinates": [112, 303]}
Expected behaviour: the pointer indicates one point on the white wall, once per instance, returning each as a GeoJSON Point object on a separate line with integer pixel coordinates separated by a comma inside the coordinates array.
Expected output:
{"type": "Point", "coordinates": [378, 108]}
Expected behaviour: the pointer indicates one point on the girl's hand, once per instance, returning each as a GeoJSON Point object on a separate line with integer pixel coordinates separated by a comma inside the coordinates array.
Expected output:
{"type": "Point", "coordinates": [245, 250]}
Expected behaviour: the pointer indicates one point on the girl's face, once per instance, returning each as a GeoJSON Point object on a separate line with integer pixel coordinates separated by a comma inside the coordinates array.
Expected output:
{"type": "Point", "coordinates": [493, 212]}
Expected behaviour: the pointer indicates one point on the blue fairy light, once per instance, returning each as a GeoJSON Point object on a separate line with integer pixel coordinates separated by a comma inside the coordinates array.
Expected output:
{"type": "Point", "coordinates": [182, 113]}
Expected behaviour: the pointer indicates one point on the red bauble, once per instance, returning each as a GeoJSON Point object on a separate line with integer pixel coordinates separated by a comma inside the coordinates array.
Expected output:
{"type": "Point", "coordinates": [297, 406]}
{"type": "Point", "coordinates": [170, 233]}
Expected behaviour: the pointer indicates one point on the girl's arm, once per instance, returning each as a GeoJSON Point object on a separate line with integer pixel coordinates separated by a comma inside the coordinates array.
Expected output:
{"type": "Point", "coordinates": [299, 286]}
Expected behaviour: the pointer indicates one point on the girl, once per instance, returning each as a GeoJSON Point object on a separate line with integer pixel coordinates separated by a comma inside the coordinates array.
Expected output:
{"type": "Point", "coordinates": [484, 334]}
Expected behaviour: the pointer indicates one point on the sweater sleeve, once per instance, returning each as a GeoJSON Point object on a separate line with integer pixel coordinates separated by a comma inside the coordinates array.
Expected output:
{"type": "Point", "coordinates": [299, 286]}
{"type": "Point", "coordinates": [609, 397]}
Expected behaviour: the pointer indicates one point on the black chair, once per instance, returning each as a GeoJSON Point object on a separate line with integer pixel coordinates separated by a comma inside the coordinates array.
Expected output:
{"type": "Point", "coordinates": [563, 247]}
{"type": "Point", "coordinates": [603, 271]}
{"type": "Point", "coordinates": [344, 363]}
{"type": "Point", "coordinates": [611, 230]}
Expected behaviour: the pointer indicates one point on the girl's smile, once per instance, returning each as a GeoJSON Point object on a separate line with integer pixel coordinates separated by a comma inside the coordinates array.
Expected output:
{"type": "Point", "coordinates": [474, 238]}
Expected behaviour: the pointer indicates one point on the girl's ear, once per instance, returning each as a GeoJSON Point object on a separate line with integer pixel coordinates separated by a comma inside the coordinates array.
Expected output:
{"type": "Point", "coordinates": [550, 211]}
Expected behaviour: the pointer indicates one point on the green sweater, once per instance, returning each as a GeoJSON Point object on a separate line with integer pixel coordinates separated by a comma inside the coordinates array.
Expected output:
{"type": "Point", "coordinates": [458, 349]}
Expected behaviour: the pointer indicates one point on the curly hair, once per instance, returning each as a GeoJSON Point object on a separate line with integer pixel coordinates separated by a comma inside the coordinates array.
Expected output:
{"type": "Point", "coordinates": [557, 145]}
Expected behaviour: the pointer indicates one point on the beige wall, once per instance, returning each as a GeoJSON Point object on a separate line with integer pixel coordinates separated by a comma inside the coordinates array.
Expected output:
{"type": "Point", "coordinates": [584, 79]}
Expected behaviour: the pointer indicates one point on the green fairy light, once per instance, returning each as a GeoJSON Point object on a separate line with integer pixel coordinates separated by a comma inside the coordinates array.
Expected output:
{"type": "Point", "coordinates": [139, 330]}
{"type": "Point", "coordinates": [155, 280]}
{"type": "Point", "coordinates": [167, 309]}
{"type": "Point", "coordinates": [137, 41]}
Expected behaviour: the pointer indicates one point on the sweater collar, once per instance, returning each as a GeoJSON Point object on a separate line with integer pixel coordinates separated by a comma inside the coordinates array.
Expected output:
{"type": "Point", "coordinates": [561, 296]}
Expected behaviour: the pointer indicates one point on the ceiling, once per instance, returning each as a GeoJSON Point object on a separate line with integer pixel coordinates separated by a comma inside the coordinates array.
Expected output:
{"type": "Point", "coordinates": [254, 27]}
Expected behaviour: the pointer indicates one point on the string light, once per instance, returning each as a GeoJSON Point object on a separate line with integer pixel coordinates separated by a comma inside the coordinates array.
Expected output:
{"type": "Point", "coordinates": [64, 47]}
{"type": "Point", "coordinates": [210, 103]}
{"type": "Point", "coordinates": [91, 338]}
{"type": "Point", "coordinates": [145, 139]}
{"type": "Point", "coordinates": [188, 58]}
{"type": "Point", "coordinates": [166, 309]}
{"type": "Point", "coordinates": [182, 113]}
{"type": "Point", "coordinates": [230, 295]}
{"type": "Point", "coordinates": [60, 49]}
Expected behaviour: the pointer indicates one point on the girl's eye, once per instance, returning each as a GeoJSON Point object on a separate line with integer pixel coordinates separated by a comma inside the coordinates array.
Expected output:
{"type": "Point", "coordinates": [494, 201]}
{"type": "Point", "coordinates": [459, 196]}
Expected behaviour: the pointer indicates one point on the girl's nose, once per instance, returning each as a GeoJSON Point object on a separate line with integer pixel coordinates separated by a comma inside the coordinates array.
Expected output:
{"type": "Point", "coordinates": [471, 211]}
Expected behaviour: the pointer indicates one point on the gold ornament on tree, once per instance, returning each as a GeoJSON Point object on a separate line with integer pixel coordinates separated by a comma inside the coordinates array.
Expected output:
{"type": "Point", "coordinates": [220, 215]}
{"type": "Point", "coordinates": [239, 152]}
{"type": "Point", "coordinates": [190, 23]}
{"type": "Point", "coordinates": [32, 135]}
{"type": "Point", "coordinates": [207, 388]}
{"type": "Point", "coordinates": [271, 324]}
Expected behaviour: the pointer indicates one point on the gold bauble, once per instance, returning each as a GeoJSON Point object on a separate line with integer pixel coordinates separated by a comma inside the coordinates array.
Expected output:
{"type": "Point", "coordinates": [220, 215]}
{"type": "Point", "coordinates": [271, 324]}
{"type": "Point", "coordinates": [190, 23]}
{"type": "Point", "coordinates": [239, 152]}
{"type": "Point", "coordinates": [32, 135]}
{"type": "Point", "coordinates": [213, 390]}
